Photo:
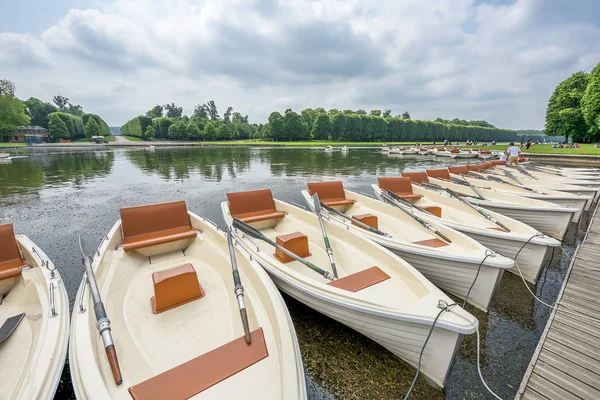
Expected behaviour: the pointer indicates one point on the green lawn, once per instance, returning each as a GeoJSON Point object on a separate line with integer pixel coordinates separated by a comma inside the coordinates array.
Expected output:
{"type": "Point", "coordinates": [3, 144]}
{"type": "Point", "coordinates": [138, 139]}
{"type": "Point", "coordinates": [586, 149]}
{"type": "Point", "coordinates": [314, 143]}
{"type": "Point", "coordinates": [109, 138]}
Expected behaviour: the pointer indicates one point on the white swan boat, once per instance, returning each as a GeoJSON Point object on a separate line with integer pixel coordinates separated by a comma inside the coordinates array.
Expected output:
{"type": "Point", "coordinates": [34, 312]}
{"type": "Point", "coordinates": [464, 153]}
{"type": "Point", "coordinates": [166, 280]}
{"type": "Point", "coordinates": [409, 151]}
{"type": "Point", "coordinates": [378, 294]}
{"type": "Point", "coordinates": [549, 218]}
{"type": "Point", "coordinates": [451, 266]}
{"type": "Point", "coordinates": [444, 209]}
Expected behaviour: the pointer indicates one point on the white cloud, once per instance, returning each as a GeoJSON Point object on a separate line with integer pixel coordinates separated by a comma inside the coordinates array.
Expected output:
{"type": "Point", "coordinates": [434, 58]}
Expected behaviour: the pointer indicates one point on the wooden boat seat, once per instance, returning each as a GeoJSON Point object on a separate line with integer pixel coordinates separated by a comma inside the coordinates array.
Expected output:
{"type": "Point", "coordinates": [330, 193]}
{"type": "Point", "coordinates": [155, 224]}
{"type": "Point", "coordinates": [195, 376]}
{"type": "Point", "coordinates": [360, 280]}
{"type": "Point", "coordinates": [400, 186]}
{"type": "Point", "coordinates": [487, 164]}
{"type": "Point", "coordinates": [435, 210]}
{"type": "Point", "coordinates": [459, 169]}
{"type": "Point", "coordinates": [254, 206]}
{"type": "Point", "coordinates": [485, 152]}
{"type": "Point", "coordinates": [368, 219]}
{"type": "Point", "coordinates": [417, 176]}
{"type": "Point", "coordinates": [435, 243]}
{"type": "Point", "coordinates": [11, 262]}
{"type": "Point", "coordinates": [174, 287]}
{"type": "Point", "coordinates": [455, 151]}
{"type": "Point", "coordinates": [441, 173]}
{"type": "Point", "coordinates": [474, 167]}
{"type": "Point", "coordinates": [498, 162]}
{"type": "Point", "coordinates": [295, 242]}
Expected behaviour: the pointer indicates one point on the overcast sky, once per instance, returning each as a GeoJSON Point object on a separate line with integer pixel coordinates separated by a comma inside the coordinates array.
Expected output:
{"type": "Point", "coordinates": [491, 60]}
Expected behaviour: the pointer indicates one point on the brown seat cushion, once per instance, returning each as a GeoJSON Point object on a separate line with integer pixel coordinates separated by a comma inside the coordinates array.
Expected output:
{"type": "Point", "coordinates": [441, 173]}
{"type": "Point", "coordinates": [435, 210]}
{"type": "Point", "coordinates": [498, 162]}
{"type": "Point", "coordinates": [11, 262]}
{"type": "Point", "coordinates": [400, 186]}
{"type": "Point", "coordinates": [459, 169]}
{"type": "Point", "coordinates": [474, 167]}
{"type": "Point", "coordinates": [253, 206]}
{"type": "Point", "coordinates": [417, 176]}
{"type": "Point", "coordinates": [155, 224]}
{"type": "Point", "coordinates": [488, 164]}
{"type": "Point", "coordinates": [330, 193]}
{"type": "Point", "coordinates": [360, 280]}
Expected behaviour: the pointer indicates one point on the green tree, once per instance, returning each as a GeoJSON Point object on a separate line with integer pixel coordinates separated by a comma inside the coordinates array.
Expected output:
{"type": "Point", "coordinates": [172, 111]}
{"type": "Point", "coordinates": [223, 133]}
{"type": "Point", "coordinates": [322, 127]}
{"type": "Point", "coordinates": [12, 115]}
{"type": "Point", "coordinates": [210, 131]}
{"type": "Point", "coordinates": [92, 128]}
{"type": "Point", "coordinates": [295, 128]}
{"type": "Point", "coordinates": [563, 114]}
{"type": "Point", "coordinates": [338, 126]}
{"type": "Point", "coordinates": [361, 112]}
{"type": "Point", "coordinates": [200, 112]}
{"type": "Point", "coordinates": [353, 130]}
{"type": "Point", "coordinates": [211, 107]}
{"type": "Point", "coordinates": [387, 113]}
{"type": "Point", "coordinates": [193, 132]}
{"type": "Point", "coordinates": [7, 88]}
{"type": "Point", "coordinates": [61, 102]}
{"type": "Point", "coordinates": [405, 115]}
{"type": "Point", "coordinates": [38, 111]}
{"type": "Point", "coordinates": [178, 131]}
{"type": "Point", "coordinates": [590, 102]}
{"type": "Point", "coordinates": [227, 115]}
{"type": "Point", "coordinates": [58, 128]}
{"type": "Point", "coordinates": [155, 112]}
{"type": "Point", "coordinates": [276, 126]}
{"type": "Point", "coordinates": [149, 134]}
{"type": "Point", "coordinates": [376, 113]}
{"type": "Point", "coordinates": [309, 115]}
{"type": "Point", "coordinates": [75, 110]}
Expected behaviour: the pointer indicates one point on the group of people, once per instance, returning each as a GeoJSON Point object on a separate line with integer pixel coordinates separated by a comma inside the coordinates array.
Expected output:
{"type": "Point", "coordinates": [512, 153]}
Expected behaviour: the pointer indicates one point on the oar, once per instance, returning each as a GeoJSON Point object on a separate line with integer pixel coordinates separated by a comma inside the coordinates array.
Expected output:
{"type": "Point", "coordinates": [103, 323]}
{"type": "Point", "coordinates": [238, 289]}
{"type": "Point", "coordinates": [479, 210]}
{"type": "Point", "coordinates": [524, 171]}
{"type": "Point", "coordinates": [317, 204]}
{"type": "Point", "coordinates": [357, 222]}
{"type": "Point", "coordinates": [443, 189]}
{"type": "Point", "coordinates": [472, 187]}
{"type": "Point", "coordinates": [404, 201]}
{"type": "Point", "coordinates": [255, 233]}
{"type": "Point", "coordinates": [500, 180]}
{"type": "Point", "coordinates": [390, 199]}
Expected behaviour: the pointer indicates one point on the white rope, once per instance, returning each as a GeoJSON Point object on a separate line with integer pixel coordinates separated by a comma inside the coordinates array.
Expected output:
{"type": "Point", "coordinates": [478, 353]}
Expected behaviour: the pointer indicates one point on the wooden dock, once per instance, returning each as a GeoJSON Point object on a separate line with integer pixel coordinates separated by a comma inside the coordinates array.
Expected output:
{"type": "Point", "coordinates": [566, 362]}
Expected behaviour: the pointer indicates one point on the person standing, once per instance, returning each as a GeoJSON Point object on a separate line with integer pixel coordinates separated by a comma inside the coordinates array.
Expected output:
{"type": "Point", "coordinates": [528, 145]}
{"type": "Point", "coordinates": [513, 154]}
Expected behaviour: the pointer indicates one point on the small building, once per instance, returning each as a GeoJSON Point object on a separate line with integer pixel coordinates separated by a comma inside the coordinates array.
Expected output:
{"type": "Point", "coordinates": [31, 135]}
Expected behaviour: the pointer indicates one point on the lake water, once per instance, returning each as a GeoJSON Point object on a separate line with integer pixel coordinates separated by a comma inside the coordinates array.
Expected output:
{"type": "Point", "coordinates": [53, 196]}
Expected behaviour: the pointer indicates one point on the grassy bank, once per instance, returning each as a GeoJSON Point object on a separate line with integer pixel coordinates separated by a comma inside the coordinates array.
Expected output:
{"type": "Point", "coordinates": [2, 144]}
{"type": "Point", "coordinates": [585, 149]}
{"type": "Point", "coordinates": [137, 139]}
{"type": "Point", "coordinates": [311, 143]}
{"type": "Point", "coordinates": [109, 138]}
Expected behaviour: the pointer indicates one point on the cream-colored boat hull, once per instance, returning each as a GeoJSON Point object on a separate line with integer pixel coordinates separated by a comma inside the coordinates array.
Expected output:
{"type": "Point", "coordinates": [148, 344]}
{"type": "Point", "coordinates": [33, 356]}
{"type": "Point", "coordinates": [397, 313]}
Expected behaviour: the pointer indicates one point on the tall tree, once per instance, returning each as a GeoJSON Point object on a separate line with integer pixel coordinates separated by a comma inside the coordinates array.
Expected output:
{"type": "Point", "coordinates": [58, 128]}
{"type": "Point", "coordinates": [227, 115]}
{"type": "Point", "coordinates": [590, 102]}
{"type": "Point", "coordinates": [150, 132]}
{"type": "Point", "coordinates": [212, 110]}
{"type": "Point", "coordinates": [155, 112]}
{"type": "Point", "coordinates": [75, 110]}
{"type": "Point", "coordinates": [193, 132]}
{"type": "Point", "coordinates": [387, 113]}
{"type": "Point", "coordinates": [294, 126]}
{"type": "Point", "coordinates": [173, 111]}
{"type": "Point", "coordinates": [376, 113]}
{"type": "Point", "coordinates": [38, 111]}
{"type": "Point", "coordinates": [563, 114]}
{"type": "Point", "coordinates": [200, 111]}
{"type": "Point", "coordinates": [61, 102]}
{"type": "Point", "coordinates": [276, 126]}
{"type": "Point", "coordinates": [92, 128]}
{"type": "Point", "coordinates": [338, 125]}
{"type": "Point", "coordinates": [309, 116]}
{"type": "Point", "coordinates": [353, 130]}
{"type": "Point", "coordinates": [322, 127]}
{"type": "Point", "coordinates": [7, 88]}
{"type": "Point", "coordinates": [210, 131]}
{"type": "Point", "coordinates": [405, 115]}
{"type": "Point", "coordinates": [361, 112]}
{"type": "Point", "coordinates": [223, 133]}
{"type": "Point", "coordinates": [12, 115]}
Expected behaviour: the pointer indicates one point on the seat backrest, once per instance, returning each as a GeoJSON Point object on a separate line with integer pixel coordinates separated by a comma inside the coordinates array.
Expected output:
{"type": "Point", "coordinates": [459, 169]}
{"type": "Point", "coordinates": [417, 176]}
{"type": "Point", "coordinates": [474, 167]}
{"type": "Point", "coordinates": [396, 185]}
{"type": "Point", "coordinates": [143, 220]}
{"type": "Point", "coordinates": [252, 201]}
{"type": "Point", "coordinates": [9, 250]}
{"type": "Point", "coordinates": [498, 162]}
{"type": "Point", "coordinates": [441, 173]}
{"type": "Point", "coordinates": [327, 190]}
{"type": "Point", "coordinates": [488, 164]}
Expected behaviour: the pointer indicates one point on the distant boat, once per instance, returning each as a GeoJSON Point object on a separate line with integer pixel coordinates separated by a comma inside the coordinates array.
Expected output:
{"type": "Point", "coordinates": [149, 148]}
{"type": "Point", "coordinates": [345, 148]}
{"type": "Point", "coordinates": [4, 155]}
{"type": "Point", "coordinates": [328, 148]}
{"type": "Point", "coordinates": [385, 148]}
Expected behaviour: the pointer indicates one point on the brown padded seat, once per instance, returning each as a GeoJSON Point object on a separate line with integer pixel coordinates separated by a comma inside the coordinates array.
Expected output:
{"type": "Point", "coordinates": [253, 206]}
{"type": "Point", "coordinates": [155, 224]}
{"type": "Point", "coordinates": [459, 169]}
{"type": "Point", "coordinates": [416, 177]}
{"type": "Point", "coordinates": [498, 162]}
{"type": "Point", "coordinates": [200, 373]}
{"type": "Point", "coordinates": [474, 167]}
{"type": "Point", "coordinates": [400, 186]}
{"type": "Point", "coordinates": [11, 262]}
{"type": "Point", "coordinates": [330, 193]}
{"type": "Point", "coordinates": [488, 164]}
{"type": "Point", "coordinates": [360, 280]}
{"type": "Point", "coordinates": [441, 173]}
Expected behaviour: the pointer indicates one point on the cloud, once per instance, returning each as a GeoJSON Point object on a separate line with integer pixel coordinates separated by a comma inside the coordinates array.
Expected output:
{"type": "Point", "coordinates": [493, 60]}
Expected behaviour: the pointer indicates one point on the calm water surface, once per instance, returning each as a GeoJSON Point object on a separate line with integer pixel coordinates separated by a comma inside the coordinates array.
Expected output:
{"type": "Point", "coordinates": [53, 196]}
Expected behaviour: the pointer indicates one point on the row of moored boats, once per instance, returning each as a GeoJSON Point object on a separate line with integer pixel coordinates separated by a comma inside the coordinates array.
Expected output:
{"type": "Point", "coordinates": [165, 285]}
{"type": "Point", "coordinates": [443, 151]}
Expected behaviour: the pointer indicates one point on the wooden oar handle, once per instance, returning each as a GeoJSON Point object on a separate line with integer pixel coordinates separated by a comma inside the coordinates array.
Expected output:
{"type": "Point", "coordinates": [111, 354]}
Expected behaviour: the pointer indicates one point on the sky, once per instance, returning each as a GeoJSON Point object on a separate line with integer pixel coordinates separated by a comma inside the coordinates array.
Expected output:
{"type": "Point", "coordinates": [492, 60]}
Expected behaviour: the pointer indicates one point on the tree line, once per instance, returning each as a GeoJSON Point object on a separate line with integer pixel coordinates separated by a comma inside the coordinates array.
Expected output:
{"type": "Point", "coordinates": [206, 124]}
{"type": "Point", "coordinates": [574, 107]}
{"type": "Point", "coordinates": [63, 119]}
